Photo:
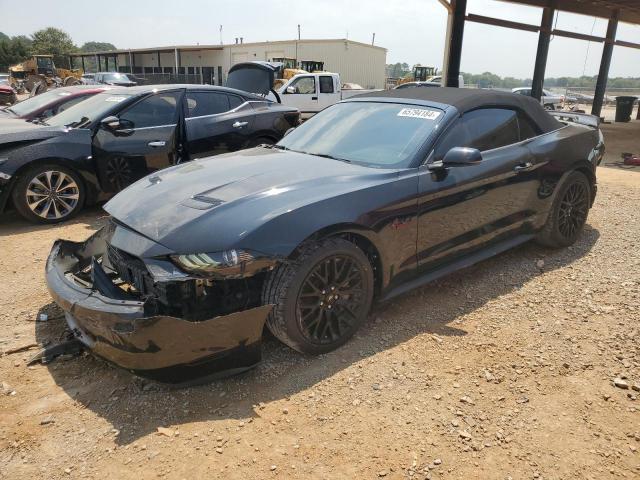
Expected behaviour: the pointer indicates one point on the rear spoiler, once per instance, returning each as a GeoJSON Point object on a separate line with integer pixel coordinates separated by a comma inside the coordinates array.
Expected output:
{"type": "Point", "coordinates": [574, 117]}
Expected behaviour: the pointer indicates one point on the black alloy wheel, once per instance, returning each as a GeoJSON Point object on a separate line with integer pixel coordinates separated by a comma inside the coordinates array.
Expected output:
{"type": "Point", "coordinates": [569, 212]}
{"type": "Point", "coordinates": [331, 299]}
{"type": "Point", "coordinates": [573, 210]}
{"type": "Point", "coordinates": [118, 172]}
{"type": "Point", "coordinates": [321, 296]}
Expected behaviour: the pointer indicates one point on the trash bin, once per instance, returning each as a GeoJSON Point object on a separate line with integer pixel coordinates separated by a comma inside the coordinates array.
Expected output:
{"type": "Point", "coordinates": [624, 107]}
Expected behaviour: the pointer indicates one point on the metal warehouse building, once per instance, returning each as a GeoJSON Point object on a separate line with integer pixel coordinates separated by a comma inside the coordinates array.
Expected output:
{"type": "Point", "coordinates": [355, 62]}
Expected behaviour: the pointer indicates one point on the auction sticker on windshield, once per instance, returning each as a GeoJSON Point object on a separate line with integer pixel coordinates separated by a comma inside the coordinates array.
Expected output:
{"type": "Point", "coordinates": [114, 99]}
{"type": "Point", "coordinates": [423, 113]}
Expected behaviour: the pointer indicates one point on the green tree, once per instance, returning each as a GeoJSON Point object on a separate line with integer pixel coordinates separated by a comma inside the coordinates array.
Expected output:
{"type": "Point", "coordinates": [97, 47]}
{"type": "Point", "coordinates": [14, 50]}
{"type": "Point", "coordinates": [56, 42]}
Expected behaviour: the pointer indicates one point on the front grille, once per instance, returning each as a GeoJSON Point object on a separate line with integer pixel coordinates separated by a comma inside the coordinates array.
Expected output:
{"type": "Point", "coordinates": [130, 269]}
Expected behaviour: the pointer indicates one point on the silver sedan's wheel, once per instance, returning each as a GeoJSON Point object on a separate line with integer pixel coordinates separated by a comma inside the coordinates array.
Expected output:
{"type": "Point", "coordinates": [52, 195]}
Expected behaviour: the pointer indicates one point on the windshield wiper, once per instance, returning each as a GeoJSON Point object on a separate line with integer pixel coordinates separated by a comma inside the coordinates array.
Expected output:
{"type": "Point", "coordinates": [10, 110]}
{"type": "Point", "coordinates": [39, 121]}
{"type": "Point", "coordinates": [279, 147]}
{"type": "Point", "coordinates": [325, 155]}
{"type": "Point", "coordinates": [80, 123]}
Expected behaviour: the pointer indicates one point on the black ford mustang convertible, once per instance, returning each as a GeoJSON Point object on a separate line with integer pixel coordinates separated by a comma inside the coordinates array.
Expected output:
{"type": "Point", "coordinates": [371, 197]}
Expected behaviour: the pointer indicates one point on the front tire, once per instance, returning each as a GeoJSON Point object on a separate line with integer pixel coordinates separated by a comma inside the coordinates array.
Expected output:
{"type": "Point", "coordinates": [49, 193]}
{"type": "Point", "coordinates": [568, 213]}
{"type": "Point", "coordinates": [321, 298]}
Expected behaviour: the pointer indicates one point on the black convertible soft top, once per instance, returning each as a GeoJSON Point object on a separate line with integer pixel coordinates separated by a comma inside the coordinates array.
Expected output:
{"type": "Point", "coordinates": [466, 99]}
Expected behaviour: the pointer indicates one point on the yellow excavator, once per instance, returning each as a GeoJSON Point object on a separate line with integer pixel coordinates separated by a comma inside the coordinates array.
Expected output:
{"type": "Point", "coordinates": [39, 73]}
{"type": "Point", "coordinates": [419, 74]}
{"type": "Point", "coordinates": [290, 69]}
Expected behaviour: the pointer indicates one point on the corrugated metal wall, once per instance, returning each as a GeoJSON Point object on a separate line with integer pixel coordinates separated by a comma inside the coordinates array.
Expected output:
{"type": "Point", "coordinates": [355, 62]}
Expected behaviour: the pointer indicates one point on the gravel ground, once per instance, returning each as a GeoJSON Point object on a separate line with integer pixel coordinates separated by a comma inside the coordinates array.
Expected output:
{"type": "Point", "coordinates": [503, 370]}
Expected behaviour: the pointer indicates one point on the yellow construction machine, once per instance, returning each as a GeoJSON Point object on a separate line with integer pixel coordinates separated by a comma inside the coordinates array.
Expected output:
{"type": "Point", "coordinates": [419, 74]}
{"type": "Point", "coordinates": [39, 73]}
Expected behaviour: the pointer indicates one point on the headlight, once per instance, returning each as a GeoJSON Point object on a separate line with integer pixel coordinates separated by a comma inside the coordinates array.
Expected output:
{"type": "Point", "coordinates": [230, 263]}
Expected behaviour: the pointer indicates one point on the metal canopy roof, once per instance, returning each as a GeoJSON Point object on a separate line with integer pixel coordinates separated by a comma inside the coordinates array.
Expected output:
{"type": "Point", "coordinates": [629, 10]}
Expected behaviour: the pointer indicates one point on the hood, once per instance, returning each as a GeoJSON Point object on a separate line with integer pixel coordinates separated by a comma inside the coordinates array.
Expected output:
{"type": "Point", "coordinates": [4, 114]}
{"type": "Point", "coordinates": [211, 204]}
{"type": "Point", "coordinates": [253, 77]}
{"type": "Point", "coordinates": [17, 129]}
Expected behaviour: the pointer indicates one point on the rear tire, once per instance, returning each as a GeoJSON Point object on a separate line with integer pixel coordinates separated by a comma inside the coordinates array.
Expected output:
{"type": "Point", "coordinates": [321, 298]}
{"type": "Point", "coordinates": [568, 213]}
{"type": "Point", "coordinates": [49, 193]}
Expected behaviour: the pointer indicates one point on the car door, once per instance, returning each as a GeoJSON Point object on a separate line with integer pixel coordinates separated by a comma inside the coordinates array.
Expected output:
{"type": "Point", "coordinates": [216, 122]}
{"type": "Point", "coordinates": [144, 141]}
{"type": "Point", "coordinates": [329, 91]}
{"type": "Point", "coordinates": [302, 94]}
{"type": "Point", "coordinates": [463, 208]}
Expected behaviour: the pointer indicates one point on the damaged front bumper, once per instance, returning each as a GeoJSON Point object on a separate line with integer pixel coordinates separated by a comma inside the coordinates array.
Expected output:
{"type": "Point", "coordinates": [159, 347]}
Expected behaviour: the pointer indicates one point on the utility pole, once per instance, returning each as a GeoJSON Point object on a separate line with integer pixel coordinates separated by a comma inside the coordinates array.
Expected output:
{"type": "Point", "coordinates": [374, 38]}
{"type": "Point", "coordinates": [220, 34]}
{"type": "Point", "coordinates": [298, 31]}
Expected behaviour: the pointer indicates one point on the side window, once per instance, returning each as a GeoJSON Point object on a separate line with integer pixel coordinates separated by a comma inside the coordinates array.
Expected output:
{"type": "Point", "coordinates": [491, 128]}
{"type": "Point", "coordinates": [206, 103]}
{"type": "Point", "coordinates": [153, 111]}
{"type": "Point", "coordinates": [326, 84]}
{"type": "Point", "coordinates": [235, 101]}
{"type": "Point", "coordinates": [526, 127]}
{"type": "Point", "coordinates": [305, 85]}
{"type": "Point", "coordinates": [483, 129]}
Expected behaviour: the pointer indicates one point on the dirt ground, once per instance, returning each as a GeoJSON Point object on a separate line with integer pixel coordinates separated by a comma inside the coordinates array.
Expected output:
{"type": "Point", "coordinates": [503, 370]}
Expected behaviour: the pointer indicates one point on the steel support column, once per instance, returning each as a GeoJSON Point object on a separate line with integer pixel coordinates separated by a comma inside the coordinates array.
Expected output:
{"type": "Point", "coordinates": [544, 37]}
{"type": "Point", "coordinates": [605, 63]}
{"type": "Point", "coordinates": [98, 63]}
{"type": "Point", "coordinates": [82, 59]}
{"type": "Point", "coordinates": [159, 66]}
{"type": "Point", "coordinates": [454, 42]}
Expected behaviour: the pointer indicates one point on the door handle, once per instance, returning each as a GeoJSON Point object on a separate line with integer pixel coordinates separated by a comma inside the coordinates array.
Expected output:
{"type": "Point", "coordinates": [314, 98]}
{"type": "Point", "coordinates": [239, 124]}
{"type": "Point", "coordinates": [524, 167]}
{"type": "Point", "coordinates": [157, 144]}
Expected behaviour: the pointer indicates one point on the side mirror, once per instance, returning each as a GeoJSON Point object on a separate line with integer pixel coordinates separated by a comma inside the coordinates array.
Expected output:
{"type": "Point", "coordinates": [288, 131]}
{"type": "Point", "coordinates": [110, 123]}
{"type": "Point", "coordinates": [461, 156]}
{"type": "Point", "coordinates": [291, 90]}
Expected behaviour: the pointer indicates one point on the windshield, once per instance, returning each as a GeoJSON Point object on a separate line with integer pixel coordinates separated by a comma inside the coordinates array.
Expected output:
{"type": "Point", "coordinates": [32, 104]}
{"type": "Point", "coordinates": [87, 111]}
{"type": "Point", "coordinates": [115, 77]}
{"type": "Point", "coordinates": [382, 135]}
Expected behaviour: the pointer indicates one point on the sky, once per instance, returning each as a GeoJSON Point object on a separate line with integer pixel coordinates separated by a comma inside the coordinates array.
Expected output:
{"type": "Point", "coordinates": [413, 31]}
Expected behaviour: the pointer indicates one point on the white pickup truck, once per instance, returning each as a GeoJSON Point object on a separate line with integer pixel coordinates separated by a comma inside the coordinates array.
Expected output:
{"type": "Point", "coordinates": [312, 92]}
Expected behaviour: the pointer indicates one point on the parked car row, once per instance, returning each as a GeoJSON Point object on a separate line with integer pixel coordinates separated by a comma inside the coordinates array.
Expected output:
{"type": "Point", "coordinates": [373, 196]}
{"type": "Point", "coordinates": [52, 168]}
